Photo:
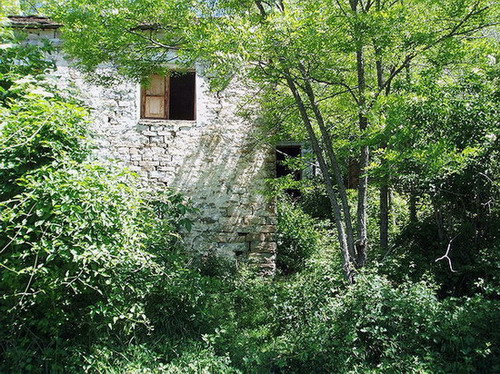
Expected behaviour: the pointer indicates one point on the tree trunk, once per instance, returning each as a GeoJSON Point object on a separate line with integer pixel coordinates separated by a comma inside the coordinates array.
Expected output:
{"type": "Point", "coordinates": [384, 216]}
{"type": "Point", "coordinates": [327, 141]}
{"type": "Point", "coordinates": [362, 243]}
{"type": "Point", "coordinates": [384, 182]}
{"type": "Point", "coordinates": [349, 271]}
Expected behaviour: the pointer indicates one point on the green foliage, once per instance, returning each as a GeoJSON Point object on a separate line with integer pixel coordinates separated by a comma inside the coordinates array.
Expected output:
{"type": "Point", "coordinates": [200, 361]}
{"type": "Point", "coordinates": [82, 249]}
{"type": "Point", "coordinates": [107, 29]}
{"type": "Point", "coordinates": [375, 326]}
{"type": "Point", "coordinates": [141, 359]}
{"type": "Point", "coordinates": [72, 255]}
{"type": "Point", "coordinates": [20, 59]}
{"type": "Point", "coordinates": [314, 322]}
{"type": "Point", "coordinates": [327, 72]}
{"type": "Point", "coordinates": [38, 129]}
{"type": "Point", "coordinates": [440, 127]}
{"type": "Point", "coordinates": [372, 326]}
{"type": "Point", "coordinates": [298, 236]}
{"type": "Point", "coordinates": [100, 358]}
{"type": "Point", "coordinates": [315, 203]}
{"type": "Point", "coordinates": [9, 7]}
{"type": "Point", "coordinates": [170, 210]}
{"type": "Point", "coordinates": [328, 33]}
{"type": "Point", "coordinates": [90, 279]}
{"type": "Point", "coordinates": [443, 150]}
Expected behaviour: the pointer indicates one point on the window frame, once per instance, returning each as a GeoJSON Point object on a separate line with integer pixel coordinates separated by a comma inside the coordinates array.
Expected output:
{"type": "Point", "coordinates": [143, 96]}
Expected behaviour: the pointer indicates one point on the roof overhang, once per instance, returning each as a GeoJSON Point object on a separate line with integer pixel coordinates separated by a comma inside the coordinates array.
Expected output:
{"type": "Point", "coordinates": [32, 22]}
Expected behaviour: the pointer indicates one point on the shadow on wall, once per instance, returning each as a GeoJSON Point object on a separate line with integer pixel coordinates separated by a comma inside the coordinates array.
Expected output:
{"type": "Point", "coordinates": [223, 170]}
{"type": "Point", "coordinates": [220, 163]}
{"type": "Point", "coordinates": [216, 160]}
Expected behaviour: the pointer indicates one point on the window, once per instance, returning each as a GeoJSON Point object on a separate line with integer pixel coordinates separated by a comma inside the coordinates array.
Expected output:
{"type": "Point", "coordinates": [170, 97]}
{"type": "Point", "coordinates": [282, 170]}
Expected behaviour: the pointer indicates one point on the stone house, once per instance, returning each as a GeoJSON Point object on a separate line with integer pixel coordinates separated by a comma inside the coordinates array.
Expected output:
{"type": "Point", "coordinates": [178, 134]}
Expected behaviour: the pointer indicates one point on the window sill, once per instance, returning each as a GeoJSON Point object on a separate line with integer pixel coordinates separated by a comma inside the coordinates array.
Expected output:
{"type": "Point", "coordinates": [166, 122]}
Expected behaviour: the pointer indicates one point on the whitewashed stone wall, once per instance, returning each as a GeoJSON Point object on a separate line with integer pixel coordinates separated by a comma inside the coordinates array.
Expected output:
{"type": "Point", "coordinates": [216, 160]}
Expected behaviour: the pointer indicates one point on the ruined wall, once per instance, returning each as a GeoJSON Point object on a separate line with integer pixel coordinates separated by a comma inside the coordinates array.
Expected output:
{"type": "Point", "coordinates": [215, 160]}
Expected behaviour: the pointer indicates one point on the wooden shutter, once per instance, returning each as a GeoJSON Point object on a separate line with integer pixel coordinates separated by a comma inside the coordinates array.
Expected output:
{"type": "Point", "coordinates": [155, 98]}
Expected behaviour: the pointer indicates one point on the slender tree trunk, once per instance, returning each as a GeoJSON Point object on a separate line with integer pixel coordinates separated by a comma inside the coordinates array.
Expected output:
{"type": "Point", "coordinates": [327, 141]}
{"type": "Point", "coordinates": [347, 250]}
{"type": "Point", "coordinates": [362, 242]}
{"type": "Point", "coordinates": [384, 216]}
{"type": "Point", "coordinates": [384, 182]}
{"type": "Point", "coordinates": [349, 271]}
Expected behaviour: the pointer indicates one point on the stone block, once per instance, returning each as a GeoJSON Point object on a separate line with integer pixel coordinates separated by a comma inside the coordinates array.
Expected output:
{"type": "Point", "coordinates": [157, 139]}
{"type": "Point", "coordinates": [263, 247]}
{"type": "Point", "coordinates": [149, 163]}
{"type": "Point", "coordinates": [261, 237]}
{"type": "Point", "coordinates": [254, 220]}
{"type": "Point", "coordinates": [231, 238]}
{"type": "Point", "coordinates": [233, 248]}
{"type": "Point", "coordinates": [266, 228]}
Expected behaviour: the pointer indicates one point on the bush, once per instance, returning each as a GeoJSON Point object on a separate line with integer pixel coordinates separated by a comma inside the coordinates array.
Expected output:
{"type": "Point", "coordinates": [77, 249]}
{"type": "Point", "coordinates": [375, 326]}
{"type": "Point", "coordinates": [298, 237]}
{"type": "Point", "coordinates": [140, 358]}
{"type": "Point", "coordinates": [36, 129]}
{"type": "Point", "coordinates": [314, 322]}
{"type": "Point", "coordinates": [200, 361]}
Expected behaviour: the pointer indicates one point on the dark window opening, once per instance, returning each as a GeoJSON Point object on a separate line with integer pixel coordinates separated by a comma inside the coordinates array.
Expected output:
{"type": "Point", "coordinates": [170, 97]}
{"type": "Point", "coordinates": [282, 170]}
{"type": "Point", "coordinates": [182, 94]}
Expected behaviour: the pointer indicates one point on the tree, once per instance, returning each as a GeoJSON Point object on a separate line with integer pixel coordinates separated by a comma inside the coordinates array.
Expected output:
{"type": "Point", "coordinates": [19, 59]}
{"type": "Point", "coordinates": [326, 64]}
{"type": "Point", "coordinates": [446, 155]}
{"type": "Point", "coordinates": [9, 7]}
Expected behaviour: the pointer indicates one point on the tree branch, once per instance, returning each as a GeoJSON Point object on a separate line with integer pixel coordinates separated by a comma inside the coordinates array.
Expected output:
{"type": "Point", "coordinates": [453, 32]}
{"type": "Point", "coordinates": [447, 257]}
{"type": "Point", "coordinates": [155, 42]}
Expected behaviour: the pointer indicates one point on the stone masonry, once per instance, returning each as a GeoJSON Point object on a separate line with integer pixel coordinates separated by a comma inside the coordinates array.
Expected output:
{"type": "Point", "coordinates": [216, 160]}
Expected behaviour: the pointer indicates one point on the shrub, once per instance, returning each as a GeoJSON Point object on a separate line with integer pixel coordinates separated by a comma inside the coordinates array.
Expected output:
{"type": "Point", "coordinates": [77, 249]}
{"type": "Point", "coordinates": [298, 236]}
{"type": "Point", "coordinates": [140, 358]}
{"type": "Point", "coordinates": [375, 326]}
{"type": "Point", "coordinates": [36, 129]}
{"type": "Point", "coordinates": [198, 361]}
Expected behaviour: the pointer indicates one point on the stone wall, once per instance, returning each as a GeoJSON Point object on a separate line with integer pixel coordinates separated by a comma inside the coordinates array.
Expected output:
{"type": "Point", "coordinates": [216, 160]}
